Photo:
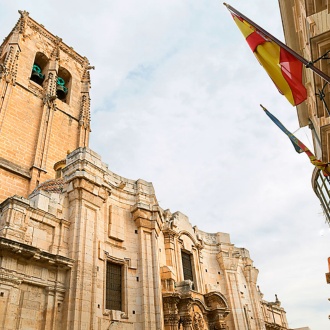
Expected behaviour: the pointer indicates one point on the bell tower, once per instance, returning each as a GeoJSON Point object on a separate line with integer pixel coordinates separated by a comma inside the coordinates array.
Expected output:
{"type": "Point", "coordinates": [44, 106]}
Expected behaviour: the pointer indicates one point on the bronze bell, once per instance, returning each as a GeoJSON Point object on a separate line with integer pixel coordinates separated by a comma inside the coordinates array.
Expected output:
{"type": "Point", "coordinates": [36, 75]}
{"type": "Point", "coordinates": [61, 92]}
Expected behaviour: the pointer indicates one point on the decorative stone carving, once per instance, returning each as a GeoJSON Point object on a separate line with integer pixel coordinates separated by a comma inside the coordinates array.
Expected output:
{"type": "Point", "coordinates": [215, 301]}
{"type": "Point", "coordinates": [36, 89]}
{"type": "Point", "coordinates": [186, 321]}
{"type": "Point", "coordinates": [170, 220]}
{"type": "Point", "coordinates": [210, 238]}
{"type": "Point", "coordinates": [84, 119]}
{"type": "Point", "coordinates": [10, 65]}
{"type": "Point", "coordinates": [198, 321]}
{"type": "Point", "coordinates": [171, 316]}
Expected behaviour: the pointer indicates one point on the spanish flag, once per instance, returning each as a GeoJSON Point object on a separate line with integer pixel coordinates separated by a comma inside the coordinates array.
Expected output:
{"type": "Point", "coordinates": [298, 145]}
{"type": "Point", "coordinates": [283, 68]}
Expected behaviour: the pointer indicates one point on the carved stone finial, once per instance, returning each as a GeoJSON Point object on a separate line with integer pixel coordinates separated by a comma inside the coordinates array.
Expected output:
{"type": "Point", "coordinates": [58, 40]}
{"type": "Point", "coordinates": [24, 13]}
{"type": "Point", "coordinates": [277, 302]}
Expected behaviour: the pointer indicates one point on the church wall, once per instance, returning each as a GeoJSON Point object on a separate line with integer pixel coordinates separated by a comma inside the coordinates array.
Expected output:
{"type": "Point", "coordinates": [11, 184]}
{"type": "Point", "coordinates": [33, 277]}
{"type": "Point", "coordinates": [100, 217]}
{"type": "Point", "coordinates": [63, 139]}
{"type": "Point", "coordinates": [20, 126]}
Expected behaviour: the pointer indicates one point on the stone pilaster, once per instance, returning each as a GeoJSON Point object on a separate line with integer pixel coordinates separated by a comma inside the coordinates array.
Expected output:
{"type": "Point", "coordinates": [9, 72]}
{"type": "Point", "coordinates": [49, 106]}
{"type": "Point", "coordinates": [229, 260]}
{"type": "Point", "coordinates": [87, 197]}
{"type": "Point", "coordinates": [251, 275]}
{"type": "Point", "coordinates": [171, 316]}
{"type": "Point", "coordinates": [169, 240]}
{"type": "Point", "coordinates": [148, 221]}
{"type": "Point", "coordinates": [185, 310]}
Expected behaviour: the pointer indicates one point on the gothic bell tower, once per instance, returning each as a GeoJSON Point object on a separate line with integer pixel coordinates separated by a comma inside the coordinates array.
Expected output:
{"type": "Point", "coordinates": [44, 106]}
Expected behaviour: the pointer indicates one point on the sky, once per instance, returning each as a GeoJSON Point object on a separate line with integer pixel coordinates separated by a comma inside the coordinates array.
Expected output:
{"type": "Point", "coordinates": [175, 101]}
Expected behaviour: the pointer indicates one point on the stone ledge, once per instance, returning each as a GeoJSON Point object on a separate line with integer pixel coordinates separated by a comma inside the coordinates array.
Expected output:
{"type": "Point", "coordinates": [14, 168]}
{"type": "Point", "coordinates": [35, 253]}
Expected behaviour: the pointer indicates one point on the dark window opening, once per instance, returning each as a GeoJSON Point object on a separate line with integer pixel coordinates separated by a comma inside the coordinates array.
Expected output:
{"type": "Point", "coordinates": [187, 267]}
{"type": "Point", "coordinates": [114, 286]}
{"type": "Point", "coordinates": [39, 66]}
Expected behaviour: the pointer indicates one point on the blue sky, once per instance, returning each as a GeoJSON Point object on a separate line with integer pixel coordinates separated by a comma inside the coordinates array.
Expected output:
{"type": "Point", "coordinates": [175, 101]}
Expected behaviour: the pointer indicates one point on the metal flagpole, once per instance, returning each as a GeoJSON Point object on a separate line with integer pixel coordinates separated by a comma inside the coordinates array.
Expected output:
{"type": "Point", "coordinates": [308, 64]}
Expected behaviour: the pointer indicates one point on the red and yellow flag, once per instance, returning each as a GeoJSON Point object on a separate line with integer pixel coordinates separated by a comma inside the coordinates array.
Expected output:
{"type": "Point", "coordinates": [283, 68]}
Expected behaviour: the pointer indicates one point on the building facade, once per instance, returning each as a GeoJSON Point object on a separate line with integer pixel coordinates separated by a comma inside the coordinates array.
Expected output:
{"type": "Point", "coordinates": [84, 248]}
{"type": "Point", "coordinates": [306, 25]}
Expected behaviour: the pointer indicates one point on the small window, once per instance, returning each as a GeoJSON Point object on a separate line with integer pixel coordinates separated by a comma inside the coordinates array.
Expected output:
{"type": "Point", "coordinates": [114, 286]}
{"type": "Point", "coordinates": [58, 167]}
{"type": "Point", "coordinates": [38, 68]}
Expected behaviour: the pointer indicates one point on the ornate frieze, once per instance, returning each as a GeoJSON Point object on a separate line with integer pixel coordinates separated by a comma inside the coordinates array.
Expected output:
{"type": "Point", "coordinates": [68, 50]}
{"type": "Point", "coordinates": [209, 238]}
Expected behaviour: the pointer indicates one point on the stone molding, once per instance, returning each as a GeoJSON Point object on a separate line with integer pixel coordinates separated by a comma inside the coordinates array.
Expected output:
{"type": "Point", "coordinates": [28, 251]}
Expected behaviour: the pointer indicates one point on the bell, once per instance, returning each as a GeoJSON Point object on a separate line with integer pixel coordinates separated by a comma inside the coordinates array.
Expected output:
{"type": "Point", "coordinates": [61, 92]}
{"type": "Point", "coordinates": [36, 75]}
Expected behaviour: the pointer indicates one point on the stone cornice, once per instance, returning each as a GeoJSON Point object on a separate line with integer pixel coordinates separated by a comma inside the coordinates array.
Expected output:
{"type": "Point", "coordinates": [35, 253]}
{"type": "Point", "coordinates": [13, 168]}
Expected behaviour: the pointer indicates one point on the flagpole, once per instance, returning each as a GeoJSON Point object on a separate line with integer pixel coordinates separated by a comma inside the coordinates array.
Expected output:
{"type": "Point", "coordinates": [307, 64]}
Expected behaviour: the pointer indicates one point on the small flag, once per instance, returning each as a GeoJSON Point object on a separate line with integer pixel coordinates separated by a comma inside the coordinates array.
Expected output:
{"type": "Point", "coordinates": [298, 145]}
{"type": "Point", "coordinates": [283, 68]}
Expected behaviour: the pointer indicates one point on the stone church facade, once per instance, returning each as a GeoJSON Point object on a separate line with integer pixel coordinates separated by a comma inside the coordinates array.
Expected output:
{"type": "Point", "coordinates": [84, 248]}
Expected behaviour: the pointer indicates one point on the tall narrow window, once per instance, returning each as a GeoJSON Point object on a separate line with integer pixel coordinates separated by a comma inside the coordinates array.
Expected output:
{"type": "Point", "coordinates": [114, 286]}
{"type": "Point", "coordinates": [187, 266]}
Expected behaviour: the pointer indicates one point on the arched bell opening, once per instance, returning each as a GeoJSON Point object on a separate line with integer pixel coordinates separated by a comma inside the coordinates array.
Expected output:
{"type": "Point", "coordinates": [63, 84]}
{"type": "Point", "coordinates": [39, 66]}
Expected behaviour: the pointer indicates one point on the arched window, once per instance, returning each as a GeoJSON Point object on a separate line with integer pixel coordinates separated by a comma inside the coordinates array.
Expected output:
{"type": "Point", "coordinates": [63, 84]}
{"type": "Point", "coordinates": [39, 65]}
{"type": "Point", "coordinates": [58, 167]}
